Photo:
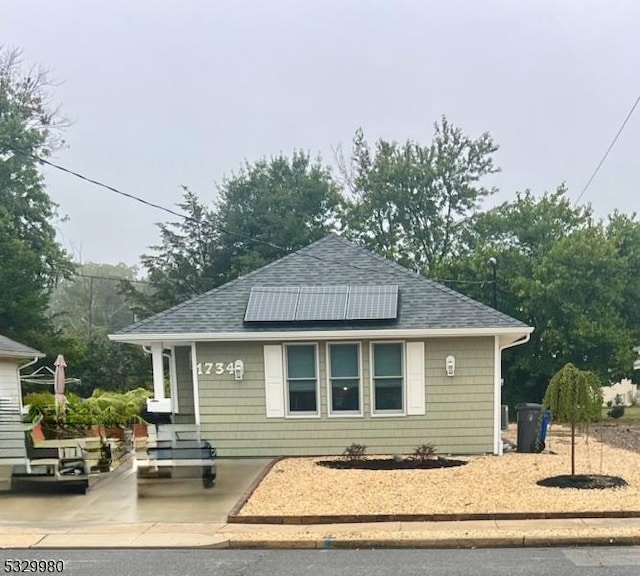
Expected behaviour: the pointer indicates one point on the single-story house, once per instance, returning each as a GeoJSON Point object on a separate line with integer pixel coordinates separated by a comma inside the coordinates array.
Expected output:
{"type": "Point", "coordinates": [13, 356]}
{"type": "Point", "coordinates": [624, 393]}
{"type": "Point", "coordinates": [327, 346]}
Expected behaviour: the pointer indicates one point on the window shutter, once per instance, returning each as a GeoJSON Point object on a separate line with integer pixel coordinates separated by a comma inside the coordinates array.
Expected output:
{"type": "Point", "coordinates": [273, 381]}
{"type": "Point", "coordinates": [415, 379]}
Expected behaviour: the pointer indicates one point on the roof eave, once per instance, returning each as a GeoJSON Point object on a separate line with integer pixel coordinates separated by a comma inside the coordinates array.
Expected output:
{"type": "Point", "coordinates": [142, 339]}
{"type": "Point", "coordinates": [11, 355]}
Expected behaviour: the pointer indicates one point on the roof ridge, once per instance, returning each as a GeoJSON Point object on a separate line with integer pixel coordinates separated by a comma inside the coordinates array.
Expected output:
{"type": "Point", "coordinates": [220, 288]}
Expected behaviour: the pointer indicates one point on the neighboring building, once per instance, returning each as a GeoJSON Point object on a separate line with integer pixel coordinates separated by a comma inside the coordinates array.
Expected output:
{"type": "Point", "coordinates": [13, 355]}
{"type": "Point", "coordinates": [622, 393]}
{"type": "Point", "coordinates": [331, 345]}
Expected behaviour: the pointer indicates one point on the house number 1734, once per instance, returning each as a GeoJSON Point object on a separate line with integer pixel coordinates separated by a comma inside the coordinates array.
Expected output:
{"type": "Point", "coordinates": [214, 368]}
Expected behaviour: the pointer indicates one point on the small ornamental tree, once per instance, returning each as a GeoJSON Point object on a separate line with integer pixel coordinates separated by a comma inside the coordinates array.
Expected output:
{"type": "Point", "coordinates": [574, 396]}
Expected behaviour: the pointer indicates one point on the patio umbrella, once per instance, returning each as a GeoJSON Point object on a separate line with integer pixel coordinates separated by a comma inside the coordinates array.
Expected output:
{"type": "Point", "coordinates": [58, 385]}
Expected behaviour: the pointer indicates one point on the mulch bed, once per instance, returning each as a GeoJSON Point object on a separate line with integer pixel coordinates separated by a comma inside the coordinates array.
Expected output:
{"type": "Point", "coordinates": [583, 482]}
{"type": "Point", "coordinates": [391, 464]}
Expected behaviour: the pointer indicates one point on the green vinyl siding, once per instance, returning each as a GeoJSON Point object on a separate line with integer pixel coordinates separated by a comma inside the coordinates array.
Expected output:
{"type": "Point", "coordinates": [184, 381]}
{"type": "Point", "coordinates": [459, 410]}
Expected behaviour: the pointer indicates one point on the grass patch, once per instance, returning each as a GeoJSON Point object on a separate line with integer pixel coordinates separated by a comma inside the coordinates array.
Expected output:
{"type": "Point", "coordinates": [631, 414]}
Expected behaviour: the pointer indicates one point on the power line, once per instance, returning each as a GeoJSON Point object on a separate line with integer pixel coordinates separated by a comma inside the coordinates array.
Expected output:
{"type": "Point", "coordinates": [134, 197]}
{"type": "Point", "coordinates": [112, 278]}
{"type": "Point", "coordinates": [102, 185]}
{"type": "Point", "coordinates": [613, 142]}
{"type": "Point", "coordinates": [198, 222]}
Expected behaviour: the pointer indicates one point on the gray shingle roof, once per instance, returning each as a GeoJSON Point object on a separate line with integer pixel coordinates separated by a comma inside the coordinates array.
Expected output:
{"type": "Point", "coordinates": [423, 303]}
{"type": "Point", "coordinates": [12, 349]}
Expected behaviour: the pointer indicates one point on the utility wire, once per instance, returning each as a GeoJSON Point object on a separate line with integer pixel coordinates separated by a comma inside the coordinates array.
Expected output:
{"type": "Point", "coordinates": [102, 185]}
{"type": "Point", "coordinates": [112, 278]}
{"type": "Point", "coordinates": [132, 196]}
{"type": "Point", "coordinates": [198, 222]}
{"type": "Point", "coordinates": [613, 142]}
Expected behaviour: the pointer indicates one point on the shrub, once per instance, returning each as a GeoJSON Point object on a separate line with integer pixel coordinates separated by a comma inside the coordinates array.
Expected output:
{"type": "Point", "coordinates": [616, 412]}
{"type": "Point", "coordinates": [354, 453]}
{"type": "Point", "coordinates": [424, 452]}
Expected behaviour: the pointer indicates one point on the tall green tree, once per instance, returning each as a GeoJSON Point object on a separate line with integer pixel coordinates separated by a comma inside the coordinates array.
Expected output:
{"type": "Point", "coordinates": [91, 302]}
{"type": "Point", "coordinates": [111, 366]}
{"type": "Point", "coordinates": [560, 272]}
{"type": "Point", "coordinates": [267, 209]}
{"type": "Point", "coordinates": [32, 261]}
{"type": "Point", "coordinates": [275, 206]}
{"type": "Point", "coordinates": [187, 262]}
{"type": "Point", "coordinates": [85, 309]}
{"type": "Point", "coordinates": [408, 201]}
{"type": "Point", "coordinates": [623, 230]}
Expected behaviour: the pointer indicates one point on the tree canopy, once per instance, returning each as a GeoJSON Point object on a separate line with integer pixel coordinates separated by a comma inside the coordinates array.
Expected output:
{"type": "Point", "coordinates": [408, 200]}
{"type": "Point", "coordinates": [32, 259]}
{"type": "Point", "coordinates": [267, 209]}
{"type": "Point", "coordinates": [562, 272]}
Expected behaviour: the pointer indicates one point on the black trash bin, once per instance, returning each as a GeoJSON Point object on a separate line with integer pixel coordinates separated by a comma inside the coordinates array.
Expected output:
{"type": "Point", "coordinates": [528, 422]}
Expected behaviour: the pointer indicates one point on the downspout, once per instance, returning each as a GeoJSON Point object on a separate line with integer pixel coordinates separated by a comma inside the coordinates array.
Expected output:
{"type": "Point", "coordinates": [497, 449]}
{"type": "Point", "coordinates": [29, 363]}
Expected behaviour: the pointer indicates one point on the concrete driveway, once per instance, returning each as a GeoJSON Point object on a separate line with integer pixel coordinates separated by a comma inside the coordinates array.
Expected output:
{"type": "Point", "coordinates": [116, 500]}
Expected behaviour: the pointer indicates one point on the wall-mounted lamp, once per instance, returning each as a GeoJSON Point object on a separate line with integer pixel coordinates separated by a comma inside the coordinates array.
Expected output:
{"type": "Point", "coordinates": [238, 369]}
{"type": "Point", "coordinates": [450, 365]}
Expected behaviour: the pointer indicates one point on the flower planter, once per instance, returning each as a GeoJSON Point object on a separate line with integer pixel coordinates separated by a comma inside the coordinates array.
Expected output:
{"type": "Point", "coordinates": [140, 430]}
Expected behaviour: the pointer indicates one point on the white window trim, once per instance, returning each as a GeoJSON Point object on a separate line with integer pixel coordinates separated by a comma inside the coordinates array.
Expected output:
{"type": "Point", "coordinates": [344, 413]}
{"type": "Point", "coordinates": [372, 403]}
{"type": "Point", "coordinates": [298, 415]}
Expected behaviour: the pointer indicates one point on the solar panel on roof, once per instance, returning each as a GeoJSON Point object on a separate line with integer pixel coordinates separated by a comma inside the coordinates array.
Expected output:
{"type": "Point", "coordinates": [372, 303]}
{"type": "Point", "coordinates": [322, 303]}
{"type": "Point", "coordinates": [272, 304]}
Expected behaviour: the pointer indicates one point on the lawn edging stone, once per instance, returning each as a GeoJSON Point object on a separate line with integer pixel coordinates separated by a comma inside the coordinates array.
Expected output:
{"type": "Point", "coordinates": [355, 518]}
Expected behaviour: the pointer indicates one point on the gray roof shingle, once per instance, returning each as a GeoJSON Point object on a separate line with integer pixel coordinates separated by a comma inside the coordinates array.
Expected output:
{"type": "Point", "coordinates": [12, 349]}
{"type": "Point", "coordinates": [423, 303]}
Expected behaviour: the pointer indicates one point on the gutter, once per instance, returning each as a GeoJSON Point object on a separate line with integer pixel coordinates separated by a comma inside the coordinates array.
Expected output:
{"type": "Point", "coordinates": [145, 339]}
{"type": "Point", "coordinates": [522, 340]}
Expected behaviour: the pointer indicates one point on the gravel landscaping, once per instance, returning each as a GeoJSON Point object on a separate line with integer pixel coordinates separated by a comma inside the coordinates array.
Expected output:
{"type": "Point", "coordinates": [618, 434]}
{"type": "Point", "coordinates": [487, 484]}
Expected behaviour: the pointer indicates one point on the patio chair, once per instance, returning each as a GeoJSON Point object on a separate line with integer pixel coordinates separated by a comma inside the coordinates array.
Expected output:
{"type": "Point", "coordinates": [57, 460]}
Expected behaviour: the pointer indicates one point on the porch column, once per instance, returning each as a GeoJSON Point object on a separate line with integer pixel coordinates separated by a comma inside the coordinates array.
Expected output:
{"type": "Point", "coordinates": [158, 371]}
{"type": "Point", "coordinates": [173, 381]}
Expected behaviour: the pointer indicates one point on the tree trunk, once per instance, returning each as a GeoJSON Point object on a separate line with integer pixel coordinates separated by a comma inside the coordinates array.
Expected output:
{"type": "Point", "coordinates": [573, 449]}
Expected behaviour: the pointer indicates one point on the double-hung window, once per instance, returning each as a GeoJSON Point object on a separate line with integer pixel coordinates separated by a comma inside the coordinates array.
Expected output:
{"type": "Point", "coordinates": [388, 378]}
{"type": "Point", "coordinates": [344, 379]}
{"type": "Point", "coordinates": [302, 379]}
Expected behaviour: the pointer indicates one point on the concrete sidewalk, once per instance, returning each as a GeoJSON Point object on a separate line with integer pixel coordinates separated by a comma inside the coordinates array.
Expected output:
{"type": "Point", "coordinates": [469, 534]}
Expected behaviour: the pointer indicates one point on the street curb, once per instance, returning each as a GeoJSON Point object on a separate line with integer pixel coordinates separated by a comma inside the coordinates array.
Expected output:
{"type": "Point", "coordinates": [235, 518]}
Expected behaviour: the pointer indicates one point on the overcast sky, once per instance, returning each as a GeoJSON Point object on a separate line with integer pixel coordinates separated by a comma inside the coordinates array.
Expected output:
{"type": "Point", "coordinates": [168, 93]}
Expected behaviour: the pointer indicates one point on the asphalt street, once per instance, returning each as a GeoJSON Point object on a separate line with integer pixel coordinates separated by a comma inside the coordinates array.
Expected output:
{"type": "Point", "coordinates": [607, 561]}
